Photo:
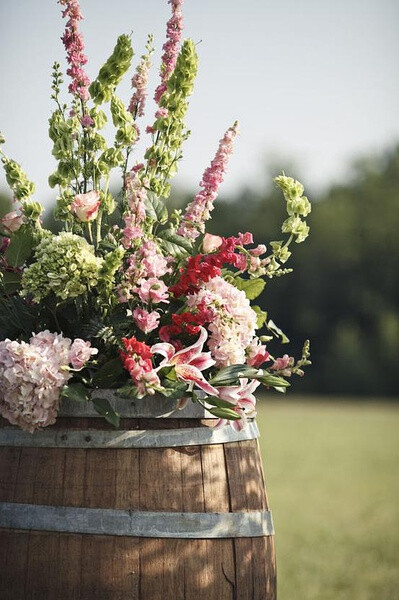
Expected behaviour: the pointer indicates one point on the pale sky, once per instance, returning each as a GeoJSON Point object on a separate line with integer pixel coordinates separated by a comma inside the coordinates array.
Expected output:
{"type": "Point", "coordinates": [313, 82]}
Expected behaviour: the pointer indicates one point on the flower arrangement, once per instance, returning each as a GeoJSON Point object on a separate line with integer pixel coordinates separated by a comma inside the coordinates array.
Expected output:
{"type": "Point", "coordinates": [128, 294]}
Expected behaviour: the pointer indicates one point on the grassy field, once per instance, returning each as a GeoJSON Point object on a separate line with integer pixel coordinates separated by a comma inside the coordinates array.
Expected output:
{"type": "Point", "coordinates": [333, 482]}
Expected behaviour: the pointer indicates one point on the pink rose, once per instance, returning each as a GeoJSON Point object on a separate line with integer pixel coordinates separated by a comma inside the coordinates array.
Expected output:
{"type": "Point", "coordinates": [80, 353]}
{"type": "Point", "coordinates": [85, 206]}
{"type": "Point", "coordinates": [146, 321]}
{"type": "Point", "coordinates": [211, 243]}
{"type": "Point", "coordinates": [12, 221]}
{"type": "Point", "coordinates": [153, 290]}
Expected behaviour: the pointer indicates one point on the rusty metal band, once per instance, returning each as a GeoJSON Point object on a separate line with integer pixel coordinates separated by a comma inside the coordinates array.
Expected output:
{"type": "Point", "coordinates": [104, 521]}
{"type": "Point", "coordinates": [135, 408]}
{"type": "Point", "coordinates": [134, 438]}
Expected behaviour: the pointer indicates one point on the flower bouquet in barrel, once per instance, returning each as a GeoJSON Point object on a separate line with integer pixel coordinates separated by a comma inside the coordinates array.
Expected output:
{"type": "Point", "coordinates": [128, 294]}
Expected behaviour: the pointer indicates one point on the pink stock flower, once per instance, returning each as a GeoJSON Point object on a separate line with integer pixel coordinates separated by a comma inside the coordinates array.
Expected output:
{"type": "Point", "coordinates": [80, 353]}
{"type": "Point", "coordinates": [74, 45]}
{"type": "Point", "coordinates": [198, 211]}
{"type": "Point", "coordinates": [243, 399]}
{"type": "Point", "coordinates": [211, 243]}
{"type": "Point", "coordinates": [260, 249]}
{"type": "Point", "coordinates": [153, 290]}
{"type": "Point", "coordinates": [284, 365]}
{"type": "Point", "coordinates": [188, 362]}
{"type": "Point", "coordinates": [85, 206]}
{"type": "Point", "coordinates": [146, 321]}
{"type": "Point", "coordinates": [12, 221]}
{"type": "Point", "coordinates": [174, 29]}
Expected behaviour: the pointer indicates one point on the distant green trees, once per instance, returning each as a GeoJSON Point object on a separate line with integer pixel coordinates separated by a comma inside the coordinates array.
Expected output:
{"type": "Point", "coordinates": [344, 292]}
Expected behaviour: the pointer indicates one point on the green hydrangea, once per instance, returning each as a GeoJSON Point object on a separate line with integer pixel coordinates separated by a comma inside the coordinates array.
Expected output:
{"type": "Point", "coordinates": [65, 265]}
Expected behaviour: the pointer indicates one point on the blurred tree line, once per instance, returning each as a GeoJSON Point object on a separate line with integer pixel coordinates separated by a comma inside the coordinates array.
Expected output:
{"type": "Point", "coordinates": [344, 291]}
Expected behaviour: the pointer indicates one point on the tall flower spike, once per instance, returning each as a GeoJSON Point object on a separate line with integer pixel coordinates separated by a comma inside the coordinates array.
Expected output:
{"type": "Point", "coordinates": [198, 211]}
{"type": "Point", "coordinates": [74, 46]}
{"type": "Point", "coordinates": [174, 29]}
{"type": "Point", "coordinates": [140, 81]}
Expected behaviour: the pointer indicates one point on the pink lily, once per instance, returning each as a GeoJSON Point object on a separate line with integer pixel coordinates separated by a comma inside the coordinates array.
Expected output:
{"type": "Point", "coordinates": [243, 399]}
{"type": "Point", "coordinates": [188, 362]}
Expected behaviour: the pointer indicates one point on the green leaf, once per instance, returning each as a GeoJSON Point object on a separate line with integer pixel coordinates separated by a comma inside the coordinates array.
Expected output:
{"type": "Point", "coordinates": [225, 413]}
{"type": "Point", "coordinates": [174, 244]}
{"type": "Point", "coordinates": [230, 374]}
{"type": "Point", "coordinates": [155, 208]}
{"type": "Point", "coordinates": [11, 281]}
{"type": "Point", "coordinates": [261, 316]}
{"type": "Point", "coordinates": [20, 248]}
{"type": "Point", "coordinates": [76, 391]}
{"type": "Point", "coordinates": [109, 374]}
{"type": "Point", "coordinates": [213, 401]}
{"type": "Point", "coordinates": [276, 331]}
{"type": "Point", "coordinates": [104, 408]}
{"type": "Point", "coordinates": [173, 389]}
{"type": "Point", "coordinates": [252, 287]}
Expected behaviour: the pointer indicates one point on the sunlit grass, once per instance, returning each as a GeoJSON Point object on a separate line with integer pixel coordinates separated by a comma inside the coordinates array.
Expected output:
{"type": "Point", "coordinates": [332, 477]}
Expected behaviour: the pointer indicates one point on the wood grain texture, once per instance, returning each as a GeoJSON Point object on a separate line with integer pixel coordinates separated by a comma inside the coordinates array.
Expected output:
{"type": "Point", "coordinates": [58, 566]}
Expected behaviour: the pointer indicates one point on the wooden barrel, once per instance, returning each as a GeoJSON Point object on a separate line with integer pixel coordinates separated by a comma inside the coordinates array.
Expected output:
{"type": "Point", "coordinates": [164, 508]}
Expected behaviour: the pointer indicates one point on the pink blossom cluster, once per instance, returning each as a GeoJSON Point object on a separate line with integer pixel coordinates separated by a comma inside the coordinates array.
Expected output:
{"type": "Point", "coordinates": [234, 322]}
{"type": "Point", "coordinates": [74, 45]}
{"type": "Point", "coordinates": [143, 275]}
{"type": "Point", "coordinates": [134, 217]}
{"type": "Point", "coordinates": [198, 211]}
{"type": "Point", "coordinates": [174, 29]}
{"type": "Point", "coordinates": [33, 374]}
{"type": "Point", "coordinates": [86, 206]}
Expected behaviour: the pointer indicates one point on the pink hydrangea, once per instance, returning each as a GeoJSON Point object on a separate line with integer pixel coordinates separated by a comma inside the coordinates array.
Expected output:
{"type": "Point", "coordinates": [85, 206]}
{"type": "Point", "coordinates": [198, 211]}
{"type": "Point", "coordinates": [146, 321]}
{"type": "Point", "coordinates": [32, 376]}
{"type": "Point", "coordinates": [234, 322]}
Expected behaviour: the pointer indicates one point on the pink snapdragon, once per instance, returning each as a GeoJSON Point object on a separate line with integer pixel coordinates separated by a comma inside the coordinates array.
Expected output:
{"type": "Point", "coordinates": [198, 211]}
{"type": "Point", "coordinates": [243, 400]}
{"type": "Point", "coordinates": [174, 30]}
{"type": "Point", "coordinates": [80, 353]}
{"type": "Point", "coordinates": [188, 363]}
{"type": "Point", "coordinates": [32, 376]}
{"type": "Point", "coordinates": [283, 364]}
{"type": "Point", "coordinates": [86, 206]}
{"type": "Point", "coordinates": [74, 45]}
{"type": "Point", "coordinates": [146, 321]}
{"type": "Point", "coordinates": [134, 217]}
{"type": "Point", "coordinates": [12, 221]}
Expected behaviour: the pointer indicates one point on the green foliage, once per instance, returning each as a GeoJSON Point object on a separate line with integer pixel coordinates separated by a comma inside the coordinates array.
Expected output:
{"type": "Point", "coordinates": [21, 247]}
{"type": "Point", "coordinates": [76, 392]}
{"type": "Point", "coordinates": [252, 287]}
{"type": "Point", "coordinates": [104, 408]}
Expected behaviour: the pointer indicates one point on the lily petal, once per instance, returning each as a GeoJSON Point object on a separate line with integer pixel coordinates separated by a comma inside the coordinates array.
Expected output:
{"type": "Point", "coordinates": [203, 361]}
{"type": "Point", "coordinates": [164, 349]}
{"type": "Point", "coordinates": [186, 355]}
{"type": "Point", "coordinates": [190, 373]}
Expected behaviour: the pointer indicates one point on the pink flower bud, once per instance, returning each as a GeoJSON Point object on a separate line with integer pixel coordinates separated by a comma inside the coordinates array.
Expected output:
{"type": "Point", "coordinates": [85, 206]}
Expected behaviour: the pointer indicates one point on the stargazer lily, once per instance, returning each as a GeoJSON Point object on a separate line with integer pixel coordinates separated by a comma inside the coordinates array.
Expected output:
{"type": "Point", "coordinates": [243, 399]}
{"type": "Point", "coordinates": [188, 363]}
